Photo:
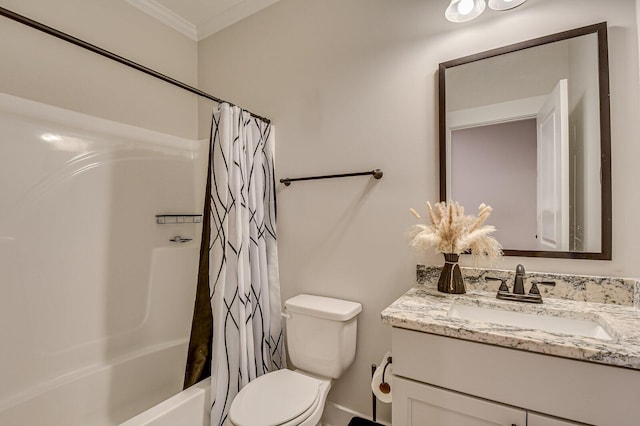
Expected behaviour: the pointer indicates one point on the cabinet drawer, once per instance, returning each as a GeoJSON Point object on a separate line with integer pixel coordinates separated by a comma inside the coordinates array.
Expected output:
{"type": "Point", "coordinates": [418, 404]}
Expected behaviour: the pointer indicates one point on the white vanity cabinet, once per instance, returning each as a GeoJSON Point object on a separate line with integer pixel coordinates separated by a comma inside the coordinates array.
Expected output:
{"type": "Point", "coordinates": [443, 381]}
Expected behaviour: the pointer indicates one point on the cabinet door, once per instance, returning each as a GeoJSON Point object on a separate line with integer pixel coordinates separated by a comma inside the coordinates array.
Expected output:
{"type": "Point", "coordinates": [540, 420]}
{"type": "Point", "coordinates": [418, 404]}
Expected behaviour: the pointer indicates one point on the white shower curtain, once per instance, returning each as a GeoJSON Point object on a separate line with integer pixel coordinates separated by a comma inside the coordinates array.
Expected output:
{"type": "Point", "coordinates": [243, 271]}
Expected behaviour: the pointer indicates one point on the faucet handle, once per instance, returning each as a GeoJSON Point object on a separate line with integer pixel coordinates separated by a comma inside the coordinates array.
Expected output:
{"type": "Point", "coordinates": [534, 286]}
{"type": "Point", "coordinates": [549, 283]}
{"type": "Point", "coordinates": [503, 283]}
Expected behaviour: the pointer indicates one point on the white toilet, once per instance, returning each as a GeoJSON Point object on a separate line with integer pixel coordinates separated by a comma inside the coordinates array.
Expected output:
{"type": "Point", "coordinates": [321, 338]}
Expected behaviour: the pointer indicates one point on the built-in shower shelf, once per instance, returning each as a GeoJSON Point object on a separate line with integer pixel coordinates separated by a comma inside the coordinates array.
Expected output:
{"type": "Point", "coordinates": [170, 219]}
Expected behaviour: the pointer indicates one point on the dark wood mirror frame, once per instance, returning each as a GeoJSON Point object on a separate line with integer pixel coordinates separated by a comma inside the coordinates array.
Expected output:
{"type": "Point", "coordinates": [605, 132]}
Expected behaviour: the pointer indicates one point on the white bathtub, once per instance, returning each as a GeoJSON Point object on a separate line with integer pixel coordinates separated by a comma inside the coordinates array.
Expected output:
{"type": "Point", "coordinates": [103, 395]}
{"type": "Point", "coordinates": [188, 408]}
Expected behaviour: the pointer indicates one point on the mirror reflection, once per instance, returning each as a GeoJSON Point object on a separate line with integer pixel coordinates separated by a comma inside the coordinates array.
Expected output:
{"type": "Point", "coordinates": [524, 132]}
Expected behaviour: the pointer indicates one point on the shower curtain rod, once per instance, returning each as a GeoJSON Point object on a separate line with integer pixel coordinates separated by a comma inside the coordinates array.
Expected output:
{"type": "Point", "coordinates": [107, 54]}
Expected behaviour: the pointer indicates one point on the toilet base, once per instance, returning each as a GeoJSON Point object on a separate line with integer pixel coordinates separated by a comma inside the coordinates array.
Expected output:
{"type": "Point", "coordinates": [325, 386]}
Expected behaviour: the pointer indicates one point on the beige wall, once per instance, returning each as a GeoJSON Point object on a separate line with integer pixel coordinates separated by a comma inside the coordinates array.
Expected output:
{"type": "Point", "coordinates": [41, 68]}
{"type": "Point", "coordinates": [352, 85]}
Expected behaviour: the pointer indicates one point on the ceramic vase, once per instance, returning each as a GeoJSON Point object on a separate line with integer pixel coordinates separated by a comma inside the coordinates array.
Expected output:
{"type": "Point", "coordinates": [451, 276]}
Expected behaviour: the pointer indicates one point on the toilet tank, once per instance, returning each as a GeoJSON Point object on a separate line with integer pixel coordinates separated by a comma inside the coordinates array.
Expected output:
{"type": "Point", "coordinates": [321, 334]}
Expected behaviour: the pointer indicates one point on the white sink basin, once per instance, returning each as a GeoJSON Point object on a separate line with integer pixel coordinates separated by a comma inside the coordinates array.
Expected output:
{"type": "Point", "coordinates": [571, 326]}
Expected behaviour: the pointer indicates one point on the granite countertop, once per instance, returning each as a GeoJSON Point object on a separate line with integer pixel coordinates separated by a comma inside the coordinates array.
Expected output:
{"type": "Point", "coordinates": [425, 309]}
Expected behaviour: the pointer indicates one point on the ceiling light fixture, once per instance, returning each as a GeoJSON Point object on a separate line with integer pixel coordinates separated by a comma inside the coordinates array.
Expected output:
{"type": "Point", "coordinates": [466, 10]}
{"type": "Point", "coordinates": [504, 4]}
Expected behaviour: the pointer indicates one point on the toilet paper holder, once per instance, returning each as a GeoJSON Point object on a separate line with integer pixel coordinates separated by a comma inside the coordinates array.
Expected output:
{"type": "Point", "coordinates": [384, 386]}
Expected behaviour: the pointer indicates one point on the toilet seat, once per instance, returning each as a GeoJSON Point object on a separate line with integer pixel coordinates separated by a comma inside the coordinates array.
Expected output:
{"type": "Point", "coordinates": [280, 398]}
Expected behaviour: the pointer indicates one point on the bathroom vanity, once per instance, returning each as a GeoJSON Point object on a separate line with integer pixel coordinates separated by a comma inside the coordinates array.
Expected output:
{"type": "Point", "coordinates": [464, 360]}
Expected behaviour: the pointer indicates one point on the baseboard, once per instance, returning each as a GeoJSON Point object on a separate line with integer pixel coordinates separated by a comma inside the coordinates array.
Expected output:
{"type": "Point", "coordinates": [338, 415]}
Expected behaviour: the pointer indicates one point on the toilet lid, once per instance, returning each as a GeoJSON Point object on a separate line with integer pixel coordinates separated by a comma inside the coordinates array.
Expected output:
{"type": "Point", "coordinates": [274, 399]}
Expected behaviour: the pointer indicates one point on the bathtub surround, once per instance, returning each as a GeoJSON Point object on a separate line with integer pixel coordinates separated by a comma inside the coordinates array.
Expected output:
{"type": "Point", "coordinates": [243, 283]}
{"type": "Point", "coordinates": [103, 296]}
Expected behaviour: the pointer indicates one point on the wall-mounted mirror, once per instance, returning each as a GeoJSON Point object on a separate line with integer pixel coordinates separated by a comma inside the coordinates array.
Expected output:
{"type": "Point", "coordinates": [526, 129]}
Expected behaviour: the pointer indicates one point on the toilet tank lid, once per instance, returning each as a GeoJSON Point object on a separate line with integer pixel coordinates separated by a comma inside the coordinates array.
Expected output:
{"type": "Point", "coordinates": [323, 307]}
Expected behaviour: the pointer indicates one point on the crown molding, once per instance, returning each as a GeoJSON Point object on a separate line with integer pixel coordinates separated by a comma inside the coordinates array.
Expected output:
{"type": "Point", "coordinates": [166, 16]}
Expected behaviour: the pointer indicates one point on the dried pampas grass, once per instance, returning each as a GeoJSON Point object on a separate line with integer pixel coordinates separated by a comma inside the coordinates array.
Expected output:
{"type": "Point", "coordinates": [451, 231]}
